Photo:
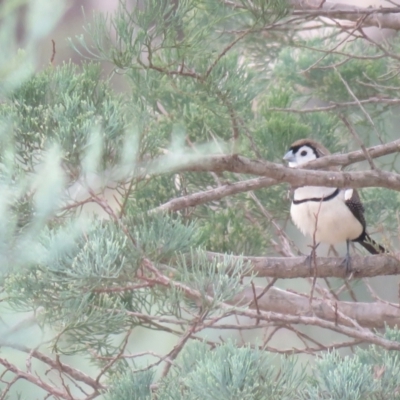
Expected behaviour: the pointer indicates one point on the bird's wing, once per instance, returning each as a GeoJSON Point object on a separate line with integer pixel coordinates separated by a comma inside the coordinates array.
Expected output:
{"type": "Point", "coordinates": [353, 201]}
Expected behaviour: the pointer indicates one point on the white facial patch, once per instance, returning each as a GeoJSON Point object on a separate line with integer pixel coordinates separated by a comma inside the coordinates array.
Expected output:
{"type": "Point", "coordinates": [303, 155]}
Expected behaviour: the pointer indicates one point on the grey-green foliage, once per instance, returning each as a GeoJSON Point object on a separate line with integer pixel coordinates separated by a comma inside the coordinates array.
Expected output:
{"type": "Point", "coordinates": [186, 83]}
{"type": "Point", "coordinates": [379, 204]}
{"type": "Point", "coordinates": [370, 374]}
{"type": "Point", "coordinates": [212, 97]}
{"type": "Point", "coordinates": [154, 41]}
{"type": "Point", "coordinates": [21, 211]}
{"type": "Point", "coordinates": [176, 63]}
{"type": "Point", "coordinates": [159, 237]}
{"type": "Point", "coordinates": [227, 372]}
{"type": "Point", "coordinates": [39, 18]}
{"type": "Point", "coordinates": [224, 232]}
{"type": "Point", "coordinates": [326, 84]}
{"type": "Point", "coordinates": [80, 262]}
{"type": "Point", "coordinates": [27, 203]}
{"type": "Point", "coordinates": [64, 105]}
{"type": "Point", "coordinates": [132, 386]}
{"type": "Point", "coordinates": [233, 373]}
{"type": "Point", "coordinates": [217, 280]}
{"type": "Point", "coordinates": [337, 378]}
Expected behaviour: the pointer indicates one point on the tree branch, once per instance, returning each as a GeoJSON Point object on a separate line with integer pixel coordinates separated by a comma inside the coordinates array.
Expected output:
{"type": "Point", "coordinates": [354, 156]}
{"type": "Point", "coordinates": [295, 177]}
{"type": "Point", "coordinates": [57, 365]}
{"type": "Point", "coordinates": [218, 193]}
{"type": "Point", "coordinates": [380, 17]}
{"type": "Point", "coordinates": [327, 267]}
{"type": "Point", "coordinates": [58, 393]}
{"type": "Point", "coordinates": [237, 306]}
{"type": "Point", "coordinates": [358, 333]}
{"type": "Point", "coordinates": [335, 106]}
{"type": "Point", "coordinates": [371, 315]}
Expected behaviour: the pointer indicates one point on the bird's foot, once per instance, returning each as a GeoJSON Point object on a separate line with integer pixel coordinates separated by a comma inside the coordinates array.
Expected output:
{"type": "Point", "coordinates": [308, 261]}
{"type": "Point", "coordinates": [312, 258]}
{"type": "Point", "coordinates": [347, 264]}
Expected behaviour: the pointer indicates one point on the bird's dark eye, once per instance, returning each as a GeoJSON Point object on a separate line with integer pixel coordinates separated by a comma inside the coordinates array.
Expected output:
{"type": "Point", "coordinates": [303, 153]}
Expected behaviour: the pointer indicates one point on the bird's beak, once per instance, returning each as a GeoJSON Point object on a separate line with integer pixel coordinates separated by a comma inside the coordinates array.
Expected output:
{"type": "Point", "coordinates": [289, 156]}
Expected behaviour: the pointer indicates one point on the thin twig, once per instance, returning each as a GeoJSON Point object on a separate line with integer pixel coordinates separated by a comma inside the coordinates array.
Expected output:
{"type": "Point", "coordinates": [313, 255]}
{"type": "Point", "coordinates": [53, 54]}
{"type": "Point", "coordinates": [358, 140]}
{"type": "Point", "coordinates": [364, 111]}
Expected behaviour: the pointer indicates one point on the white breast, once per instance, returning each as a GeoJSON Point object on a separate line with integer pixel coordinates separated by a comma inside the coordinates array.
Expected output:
{"type": "Point", "coordinates": [331, 221]}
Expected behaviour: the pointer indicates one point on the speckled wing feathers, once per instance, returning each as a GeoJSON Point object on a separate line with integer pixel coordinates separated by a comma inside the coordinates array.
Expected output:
{"type": "Point", "coordinates": [356, 207]}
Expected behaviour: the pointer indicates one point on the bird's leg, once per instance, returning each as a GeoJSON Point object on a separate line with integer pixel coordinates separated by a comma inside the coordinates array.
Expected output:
{"type": "Point", "coordinates": [310, 257]}
{"type": "Point", "coordinates": [347, 260]}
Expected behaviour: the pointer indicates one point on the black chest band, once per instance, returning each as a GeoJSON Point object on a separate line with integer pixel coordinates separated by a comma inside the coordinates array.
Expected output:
{"type": "Point", "coordinates": [318, 200]}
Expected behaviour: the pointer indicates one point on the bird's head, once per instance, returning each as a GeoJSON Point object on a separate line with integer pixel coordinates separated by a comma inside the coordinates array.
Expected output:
{"type": "Point", "coordinates": [303, 151]}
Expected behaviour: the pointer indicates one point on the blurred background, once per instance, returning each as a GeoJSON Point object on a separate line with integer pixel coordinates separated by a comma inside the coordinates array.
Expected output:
{"type": "Point", "coordinates": [80, 11]}
{"type": "Point", "coordinates": [77, 14]}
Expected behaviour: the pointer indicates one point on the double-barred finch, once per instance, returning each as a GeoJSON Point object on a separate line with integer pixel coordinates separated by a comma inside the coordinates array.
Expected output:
{"type": "Point", "coordinates": [334, 215]}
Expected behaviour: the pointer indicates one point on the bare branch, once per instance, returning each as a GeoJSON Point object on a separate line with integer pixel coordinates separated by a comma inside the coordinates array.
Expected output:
{"type": "Point", "coordinates": [335, 106]}
{"type": "Point", "coordinates": [372, 315]}
{"type": "Point", "coordinates": [296, 177]}
{"type": "Point", "coordinates": [364, 111]}
{"type": "Point", "coordinates": [363, 334]}
{"type": "Point", "coordinates": [358, 140]}
{"type": "Point", "coordinates": [238, 307]}
{"type": "Point", "coordinates": [218, 193]}
{"type": "Point", "coordinates": [57, 365]}
{"type": "Point", "coordinates": [57, 392]}
{"type": "Point", "coordinates": [354, 156]}
{"type": "Point", "coordinates": [283, 307]}
{"type": "Point", "coordinates": [327, 267]}
{"type": "Point", "coordinates": [380, 17]}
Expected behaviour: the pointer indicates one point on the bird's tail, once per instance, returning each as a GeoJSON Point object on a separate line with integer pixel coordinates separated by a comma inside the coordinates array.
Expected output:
{"type": "Point", "coordinates": [369, 244]}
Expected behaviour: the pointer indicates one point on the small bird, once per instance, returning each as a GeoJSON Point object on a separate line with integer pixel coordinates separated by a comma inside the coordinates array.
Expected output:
{"type": "Point", "coordinates": [334, 215]}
